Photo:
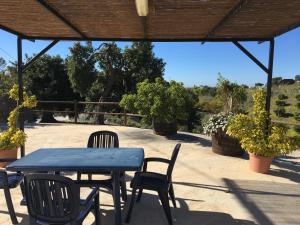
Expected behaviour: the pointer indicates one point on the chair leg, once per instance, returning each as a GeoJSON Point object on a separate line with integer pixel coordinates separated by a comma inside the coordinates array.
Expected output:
{"type": "Point", "coordinates": [163, 195]}
{"type": "Point", "coordinates": [97, 209]}
{"type": "Point", "coordinates": [10, 206]}
{"type": "Point", "coordinates": [32, 221]}
{"type": "Point", "coordinates": [172, 195]}
{"type": "Point", "coordinates": [78, 176]}
{"type": "Point", "coordinates": [138, 199]}
{"type": "Point", "coordinates": [128, 216]}
{"type": "Point", "coordinates": [22, 187]}
{"type": "Point", "coordinates": [123, 191]}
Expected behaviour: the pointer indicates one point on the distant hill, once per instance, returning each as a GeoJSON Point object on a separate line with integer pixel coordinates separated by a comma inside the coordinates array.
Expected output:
{"type": "Point", "coordinates": [290, 90]}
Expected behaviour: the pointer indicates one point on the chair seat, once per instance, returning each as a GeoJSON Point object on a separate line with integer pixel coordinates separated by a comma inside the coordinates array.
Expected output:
{"type": "Point", "coordinates": [14, 180]}
{"type": "Point", "coordinates": [149, 180]}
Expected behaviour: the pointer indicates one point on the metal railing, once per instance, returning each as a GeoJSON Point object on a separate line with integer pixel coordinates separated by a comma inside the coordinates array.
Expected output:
{"type": "Point", "coordinates": [76, 111]}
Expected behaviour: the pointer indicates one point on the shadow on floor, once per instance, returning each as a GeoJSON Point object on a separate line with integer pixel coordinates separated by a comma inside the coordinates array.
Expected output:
{"type": "Point", "coordinates": [204, 186]}
{"type": "Point", "coordinates": [269, 203]}
{"type": "Point", "coordinates": [149, 212]}
{"type": "Point", "coordinates": [188, 138]}
{"type": "Point", "coordinates": [288, 168]}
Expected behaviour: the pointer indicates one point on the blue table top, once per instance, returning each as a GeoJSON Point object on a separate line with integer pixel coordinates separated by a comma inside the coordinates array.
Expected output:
{"type": "Point", "coordinates": [80, 160]}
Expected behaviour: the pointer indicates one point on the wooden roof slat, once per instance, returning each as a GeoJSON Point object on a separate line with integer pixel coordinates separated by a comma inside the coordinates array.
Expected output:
{"type": "Point", "coordinates": [61, 17]}
{"type": "Point", "coordinates": [168, 20]}
{"type": "Point", "coordinates": [266, 18]}
{"type": "Point", "coordinates": [28, 17]}
{"type": "Point", "coordinates": [231, 13]}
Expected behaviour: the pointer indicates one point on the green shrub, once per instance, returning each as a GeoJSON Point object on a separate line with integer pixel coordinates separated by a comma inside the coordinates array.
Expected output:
{"type": "Point", "coordinates": [281, 103]}
{"type": "Point", "coordinates": [163, 101]}
{"type": "Point", "coordinates": [13, 137]}
{"type": "Point", "coordinates": [297, 116]}
{"type": "Point", "coordinates": [298, 97]}
{"type": "Point", "coordinates": [253, 134]}
{"type": "Point", "coordinates": [280, 112]}
{"type": "Point", "coordinates": [297, 128]}
{"type": "Point", "coordinates": [282, 97]}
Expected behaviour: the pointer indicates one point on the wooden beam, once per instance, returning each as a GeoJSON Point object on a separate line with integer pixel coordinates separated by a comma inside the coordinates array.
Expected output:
{"type": "Point", "coordinates": [289, 28]}
{"type": "Point", "coordinates": [7, 29]}
{"type": "Point", "coordinates": [252, 57]}
{"type": "Point", "coordinates": [51, 38]}
{"type": "Point", "coordinates": [233, 11]}
{"type": "Point", "coordinates": [20, 90]}
{"type": "Point", "coordinates": [31, 61]}
{"type": "Point", "coordinates": [61, 17]}
{"type": "Point", "coordinates": [270, 75]}
{"type": "Point", "coordinates": [145, 25]}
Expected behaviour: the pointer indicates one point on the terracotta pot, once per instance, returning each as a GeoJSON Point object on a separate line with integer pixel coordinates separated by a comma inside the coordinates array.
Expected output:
{"type": "Point", "coordinates": [260, 164]}
{"type": "Point", "coordinates": [13, 153]}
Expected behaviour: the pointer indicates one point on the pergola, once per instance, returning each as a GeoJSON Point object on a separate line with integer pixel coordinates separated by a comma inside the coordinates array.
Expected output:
{"type": "Point", "coordinates": [154, 20]}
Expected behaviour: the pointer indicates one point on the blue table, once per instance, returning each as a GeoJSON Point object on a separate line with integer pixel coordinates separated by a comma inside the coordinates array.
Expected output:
{"type": "Point", "coordinates": [85, 160]}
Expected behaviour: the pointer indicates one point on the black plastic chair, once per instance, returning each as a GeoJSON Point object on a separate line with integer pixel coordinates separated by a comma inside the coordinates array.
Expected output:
{"type": "Point", "coordinates": [162, 183]}
{"type": "Point", "coordinates": [53, 199]}
{"type": "Point", "coordinates": [104, 139]}
{"type": "Point", "coordinates": [7, 182]}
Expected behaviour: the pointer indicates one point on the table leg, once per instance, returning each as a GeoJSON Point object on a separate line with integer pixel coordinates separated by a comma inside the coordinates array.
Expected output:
{"type": "Point", "coordinates": [116, 193]}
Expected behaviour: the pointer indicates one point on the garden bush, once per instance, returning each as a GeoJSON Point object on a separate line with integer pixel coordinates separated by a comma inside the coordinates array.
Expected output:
{"type": "Point", "coordinates": [282, 97]}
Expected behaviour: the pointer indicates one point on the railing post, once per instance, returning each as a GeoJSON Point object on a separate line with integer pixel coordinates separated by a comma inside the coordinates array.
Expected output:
{"type": "Point", "coordinates": [125, 118]}
{"type": "Point", "coordinates": [75, 111]}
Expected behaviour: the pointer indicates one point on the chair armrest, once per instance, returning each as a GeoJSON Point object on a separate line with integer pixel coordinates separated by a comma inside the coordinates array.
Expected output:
{"type": "Point", "coordinates": [2, 171]}
{"type": "Point", "coordinates": [7, 159]}
{"type": "Point", "coordinates": [90, 197]}
{"type": "Point", "coordinates": [154, 159]}
{"type": "Point", "coordinates": [152, 175]}
{"type": "Point", "coordinates": [3, 174]}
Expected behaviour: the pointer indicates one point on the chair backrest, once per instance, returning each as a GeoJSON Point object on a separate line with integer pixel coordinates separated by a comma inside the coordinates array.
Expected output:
{"type": "Point", "coordinates": [103, 139]}
{"type": "Point", "coordinates": [172, 161]}
{"type": "Point", "coordinates": [52, 198]}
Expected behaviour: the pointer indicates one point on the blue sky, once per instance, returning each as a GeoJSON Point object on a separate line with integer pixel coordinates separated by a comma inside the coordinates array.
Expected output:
{"type": "Point", "coordinates": [194, 63]}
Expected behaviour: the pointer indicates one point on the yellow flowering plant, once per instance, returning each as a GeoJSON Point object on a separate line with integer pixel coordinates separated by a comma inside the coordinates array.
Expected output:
{"type": "Point", "coordinates": [13, 137]}
{"type": "Point", "coordinates": [256, 136]}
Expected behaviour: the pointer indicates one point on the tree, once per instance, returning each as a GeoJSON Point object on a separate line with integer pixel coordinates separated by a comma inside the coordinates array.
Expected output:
{"type": "Point", "coordinates": [8, 77]}
{"type": "Point", "coordinates": [140, 64]}
{"type": "Point", "coordinates": [298, 106]}
{"type": "Point", "coordinates": [231, 95]}
{"type": "Point", "coordinates": [47, 79]}
{"type": "Point", "coordinates": [281, 103]}
{"type": "Point", "coordinates": [2, 64]}
{"type": "Point", "coordinates": [258, 85]}
{"type": "Point", "coordinates": [110, 72]}
{"type": "Point", "coordinates": [81, 68]}
{"type": "Point", "coordinates": [276, 80]}
{"type": "Point", "coordinates": [96, 73]}
{"type": "Point", "coordinates": [297, 78]}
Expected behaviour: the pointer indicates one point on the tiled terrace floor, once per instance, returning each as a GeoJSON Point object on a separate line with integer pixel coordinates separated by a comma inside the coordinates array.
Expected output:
{"type": "Point", "coordinates": [210, 189]}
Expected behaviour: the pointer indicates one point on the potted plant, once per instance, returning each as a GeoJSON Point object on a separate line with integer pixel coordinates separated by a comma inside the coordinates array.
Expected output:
{"type": "Point", "coordinates": [162, 103]}
{"type": "Point", "coordinates": [232, 98]}
{"type": "Point", "coordinates": [222, 143]}
{"type": "Point", "coordinates": [259, 136]}
{"type": "Point", "coordinates": [12, 138]}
